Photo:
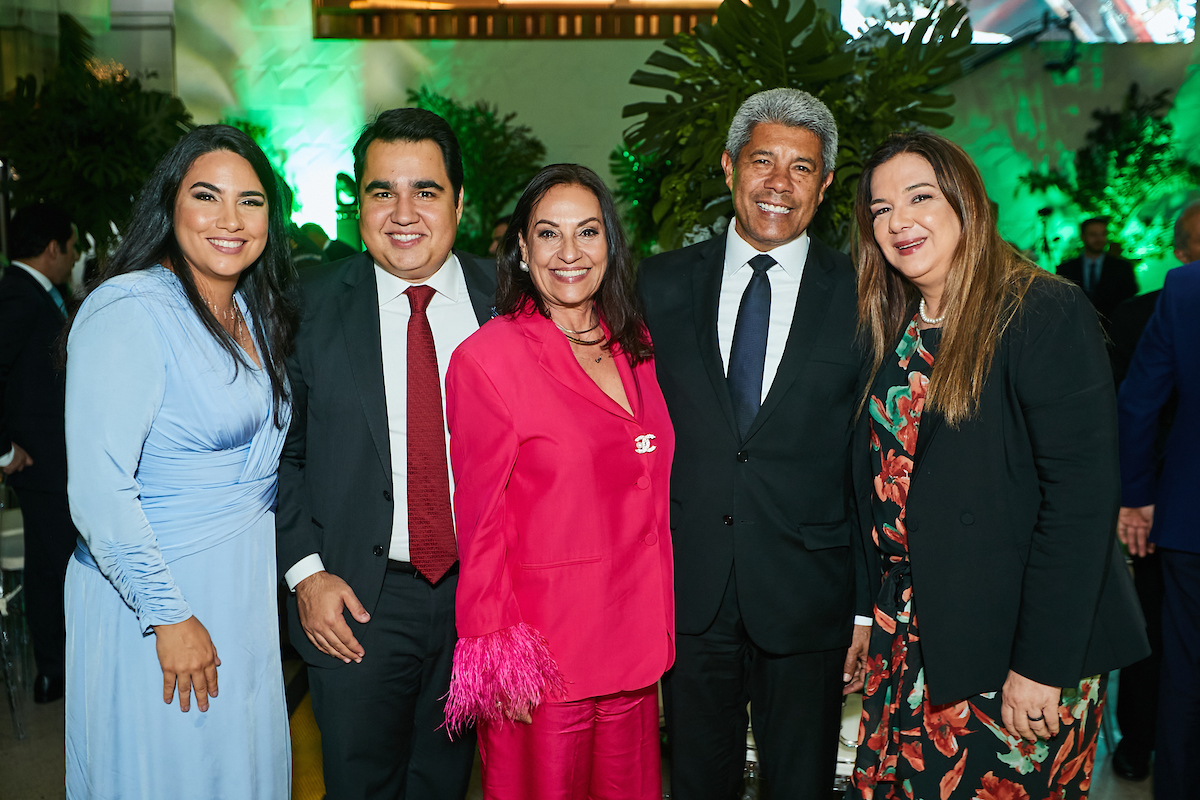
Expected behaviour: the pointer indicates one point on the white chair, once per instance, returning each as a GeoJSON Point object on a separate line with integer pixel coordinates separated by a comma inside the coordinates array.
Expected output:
{"type": "Point", "coordinates": [14, 636]}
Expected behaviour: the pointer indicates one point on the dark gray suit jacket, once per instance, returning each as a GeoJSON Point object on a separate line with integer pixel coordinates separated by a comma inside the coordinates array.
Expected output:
{"type": "Point", "coordinates": [335, 472]}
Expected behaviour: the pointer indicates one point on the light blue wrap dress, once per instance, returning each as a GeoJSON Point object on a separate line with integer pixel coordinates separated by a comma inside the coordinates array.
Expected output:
{"type": "Point", "coordinates": [172, 459]}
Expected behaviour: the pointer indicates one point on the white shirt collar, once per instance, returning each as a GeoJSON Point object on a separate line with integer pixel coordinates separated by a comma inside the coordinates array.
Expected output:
{"type": "Point", "coordinates": [42, 280]}
{"type": "Point", "coordinates": [446, 281]}
{"type": "Point", "coordinates": [790, 256]}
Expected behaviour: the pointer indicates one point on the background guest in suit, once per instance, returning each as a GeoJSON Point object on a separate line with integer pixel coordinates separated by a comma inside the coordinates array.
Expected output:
{"type": "Point", "coordinates": [1137, 694]}
{"type": "Point", "coordinates": [1156, 501]}
{"type": "Point", "coordinates": [33, 451]}
{"type": "Point", "coordinates": [1107, 280]}
{"type": "Point", "coordinates": [366, 536]}
{"type": "Point", "coordinates": [330, 249]}
{"type": "Point", "coordinates": [988, 433]}
{"type": "Point", "coordinates": [754, 335]}
{"type": "Point", "coordinates": [1130, 317]}
{"type": "Point", "coordinates": [562, 445]}
{"type": "Point", "coordinates": [498, 231]}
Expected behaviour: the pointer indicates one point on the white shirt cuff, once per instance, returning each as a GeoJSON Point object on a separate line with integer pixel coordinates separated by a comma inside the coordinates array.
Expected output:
{"type": "Point", "coordinates": [857, 619]}
{"type": "Point", "coordinates": [8, 457]}
{"type": "Point", "coordinates": [309, 565]}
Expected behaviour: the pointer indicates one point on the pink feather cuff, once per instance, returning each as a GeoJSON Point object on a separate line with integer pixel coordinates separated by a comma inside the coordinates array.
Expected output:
{"type": "Point", "coordinates": [509, 669]}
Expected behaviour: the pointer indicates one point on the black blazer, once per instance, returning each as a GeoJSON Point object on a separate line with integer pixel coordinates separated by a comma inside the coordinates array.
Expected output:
{"type": "Point", "coordinates": [335, 472]}
{"type": "Point", "coordinates": [775, 506]}
{"type": "Point", "coordinates": [32, 390]}
{"type": "Point", "coordinates": [1012, 515]}
{"type": "Point", "coordinates": [1116, 285]}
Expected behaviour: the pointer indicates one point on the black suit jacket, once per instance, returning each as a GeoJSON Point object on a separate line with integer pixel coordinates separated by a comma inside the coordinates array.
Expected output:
{"type": "Point", "coordinates": [1128, 321]}
{"type": "Point", "coordinates": [32, 391]}
{"type": "Point", "coordinates": [1011, 516]}
{"type": "Point", "coordinates": [335, 472]}
{"type": "Point", "coordinates": [1116, 285]}
{"type": "Point", "coordinates": [775, 506]}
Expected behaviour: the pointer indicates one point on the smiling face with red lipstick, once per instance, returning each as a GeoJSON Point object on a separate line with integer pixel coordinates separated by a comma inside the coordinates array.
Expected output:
{"type": "Point", "coordinates": [567, 252]}
{"type": "Point", "coordinates": [220, 219]}
{"type": "Point", "coordinates": [914, 224]}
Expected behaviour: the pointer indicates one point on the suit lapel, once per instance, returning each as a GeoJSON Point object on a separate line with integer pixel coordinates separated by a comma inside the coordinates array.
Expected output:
{"type": "Point", "coordinates": [706, 296]}
{"type": "Point", "coordinates": [37, 289]}
{"type": "Point", "coordinates": [481, 285]}
{"type": "Point", "coordinates": [556, 358]}
{"type": "Point", "coordinates": [812, 304]}
{"type": "Point", "coordinates": [931, 423]}
{"type": "Point", "coordinates": [359, 307]}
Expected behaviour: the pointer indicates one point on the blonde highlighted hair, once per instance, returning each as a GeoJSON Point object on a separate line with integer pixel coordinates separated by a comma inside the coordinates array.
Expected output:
{"type": "Point", "coordinates": [985, 285]}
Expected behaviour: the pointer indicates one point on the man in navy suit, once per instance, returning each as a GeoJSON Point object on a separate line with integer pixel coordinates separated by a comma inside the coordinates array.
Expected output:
{"type": "Point", "coordinates": [1157, 508]}
{"type": "Point", "coordinates": [1137, 697]}
{"type": "Point", "coordinates": [33, 451]}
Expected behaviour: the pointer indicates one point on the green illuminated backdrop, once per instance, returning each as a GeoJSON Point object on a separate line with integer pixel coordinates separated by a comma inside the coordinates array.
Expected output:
{"type": "Point", "coordinates": [255, 59]}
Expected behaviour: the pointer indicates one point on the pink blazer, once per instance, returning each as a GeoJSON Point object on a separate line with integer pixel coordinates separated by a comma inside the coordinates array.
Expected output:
{"type": "Point", "coordinates": [562, 512]}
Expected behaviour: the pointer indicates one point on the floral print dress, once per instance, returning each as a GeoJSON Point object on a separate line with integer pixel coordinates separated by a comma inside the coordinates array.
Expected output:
{"type": "Point", "coordinates": [908, 748]}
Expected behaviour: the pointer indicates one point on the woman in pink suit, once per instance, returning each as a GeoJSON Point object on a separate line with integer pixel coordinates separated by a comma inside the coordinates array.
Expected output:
{"type": "Point", "coordinates": [561, 448]}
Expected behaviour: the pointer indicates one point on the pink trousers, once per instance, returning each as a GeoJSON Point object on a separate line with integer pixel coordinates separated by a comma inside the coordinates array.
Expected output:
{"type": "Point", "coordinates": [602, 748]}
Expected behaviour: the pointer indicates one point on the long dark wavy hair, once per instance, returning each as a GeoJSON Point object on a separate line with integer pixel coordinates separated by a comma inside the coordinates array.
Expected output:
{"type": "Point", "coordinates": [616, 300]}
{"type": "Point", "coordinates": [267, 285]}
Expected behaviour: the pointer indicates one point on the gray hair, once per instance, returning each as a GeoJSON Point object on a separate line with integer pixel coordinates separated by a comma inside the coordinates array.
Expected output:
{"type": "Point", "coordinates": [1181, 232]}
{"type": "Point", "coordinates": [791, 107]}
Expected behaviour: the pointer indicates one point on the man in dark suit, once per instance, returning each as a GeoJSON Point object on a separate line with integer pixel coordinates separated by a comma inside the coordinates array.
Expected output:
{"type": "Point", "coordinates": [1137, 696]}
{"type": "Point", "coordinates": [33, 450]}
{"type": "Point", "coordinates": [366, 536]}
{"type": "Point", "coordinates": [1156, 511]}
{"type": "Point", "coordinates": [1107, 280]}
{"type": "Point", "coordinates": [754, 338]}
{"type": "Point", "coordinates": [330, 249]}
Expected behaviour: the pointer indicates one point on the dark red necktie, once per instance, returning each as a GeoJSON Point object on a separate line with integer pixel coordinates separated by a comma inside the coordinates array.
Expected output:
{"type": "Point", "coordinates": [431, 544]}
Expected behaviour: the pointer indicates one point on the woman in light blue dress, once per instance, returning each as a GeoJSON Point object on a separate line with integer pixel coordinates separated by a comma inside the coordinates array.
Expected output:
{"type": "Point", "coordinates": [177, 407]}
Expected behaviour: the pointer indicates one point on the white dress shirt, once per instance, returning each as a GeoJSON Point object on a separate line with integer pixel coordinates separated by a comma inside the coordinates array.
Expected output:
{"type": "Point", "coordinates": [45, 283]}
{"type": "Point", "coordinates": [785, 289]}
{"type": "Point", "coordinates": [452, 318]}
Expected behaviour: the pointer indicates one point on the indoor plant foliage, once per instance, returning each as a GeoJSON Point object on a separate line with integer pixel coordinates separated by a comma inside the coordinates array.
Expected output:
{"type": "Point", "coordinates": [879, 83]}
{"type": "Point", "coordinates": [278, 158]}
{"type": "Point", "coordinates": [1129, 170]}
{"type": "Point", "coordinates": [499, 160]}
{"type": "Point", "coordinates": [88, 137]}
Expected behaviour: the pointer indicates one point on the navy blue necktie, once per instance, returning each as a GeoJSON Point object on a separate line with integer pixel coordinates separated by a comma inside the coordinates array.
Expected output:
{"type": "Point", "coordinates": [748, 354]}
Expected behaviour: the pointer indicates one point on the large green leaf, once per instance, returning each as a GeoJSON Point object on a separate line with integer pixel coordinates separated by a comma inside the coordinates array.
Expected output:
{"type": "Point", "coordinates": [873, 85]}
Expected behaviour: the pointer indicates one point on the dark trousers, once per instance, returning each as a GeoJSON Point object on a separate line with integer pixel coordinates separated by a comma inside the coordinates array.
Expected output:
{"type": "Point", "coordinates": [380, 719]}
{"type": "Point", "coordinates": [795, 702]}
{"type": "Point", "coordinates": [50, 538]}
{"type": "Point", "coordinates": [1137, 696]}
{"type": "Point", "coordinates": [1178, 738]}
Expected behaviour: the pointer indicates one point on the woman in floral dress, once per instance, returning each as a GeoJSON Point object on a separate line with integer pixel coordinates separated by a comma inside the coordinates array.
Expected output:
{"type": "Point", "coordinates": [986, 474]}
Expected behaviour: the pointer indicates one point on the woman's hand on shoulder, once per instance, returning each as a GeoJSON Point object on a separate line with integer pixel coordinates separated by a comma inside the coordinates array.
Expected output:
{"type": "Point", "coordinates": [189, 661]}
{"type": "Point", "coordinates": [1030, 709]}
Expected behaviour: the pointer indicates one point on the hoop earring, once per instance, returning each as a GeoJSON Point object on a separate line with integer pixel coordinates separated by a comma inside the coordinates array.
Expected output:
{"type": "Point", "coordinates": [524, 267]}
